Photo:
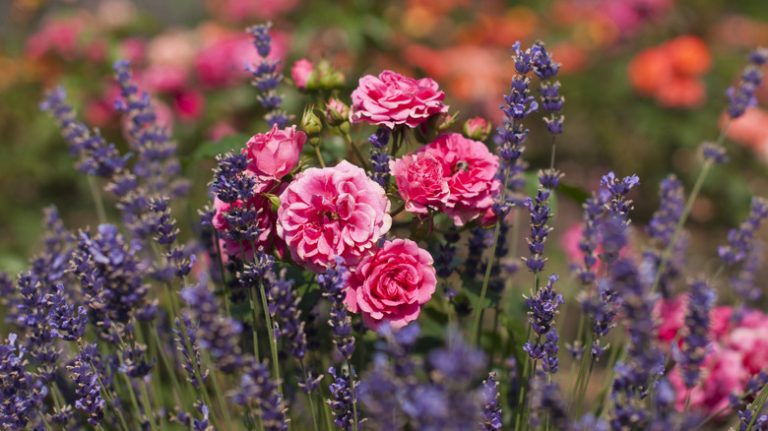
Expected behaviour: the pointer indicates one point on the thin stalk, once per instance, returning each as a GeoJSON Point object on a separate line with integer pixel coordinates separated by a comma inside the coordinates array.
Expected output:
{"type": "Point", "coordinates": [686, 211]}
{"type": "Point", "coordinates": [310, 398]}
{"type": "Point", "coordinates": [271, 334]}
{"type": "Point", "coordinates": [96, 195]}
{"type": "Point", "coordinates": [355, 150]}
{"type": "Point", "coordinates": [220, 262]}
{"type": "Point", "coordinates": [147, 403]}
{"type": "Point", "coordinates": [759, 403]}
{"type": "Point", "coordinates": [219, 397]}
{"type": "Point", "coordinates": [319, 156]}
{"type": "Point", "coordinates": [255, 316]}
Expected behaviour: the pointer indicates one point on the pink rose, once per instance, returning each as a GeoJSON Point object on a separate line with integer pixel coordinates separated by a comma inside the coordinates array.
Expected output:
{"type": "Point", "coordinates": [222, 62]}
{"type": "Point", "coordinates": [470, 169]}
{"type": "Point", "coordinates": [274, 154]}
{"type": "Point", "coordinates": [722, 374]}
{"type": "Point", "coordinates": [301, 71]}
{"type": "Point", "coordinates": [392, 99]}
{"type": "Point", "coordinates": [421, 182]}
{"type": "Point", "coordinates": [392, 284]}
{"type": "Point", "coordinates": [332, 212]}
{"type": "Point", "coordinates": [264, 221]}
{"type": "Point", "coordinates": [189, 104]}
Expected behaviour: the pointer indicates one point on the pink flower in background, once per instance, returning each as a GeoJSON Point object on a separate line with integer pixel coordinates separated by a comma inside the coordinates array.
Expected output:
{"type": "Point", "coordinates": [221, 130]}
{"type": "Point", "coordinates": [164, 79]}
{"type": "Point", "coordinates": [132, 49]}
{"type": "Point", "coordinates": [300, 72]}
{"type": "Point", "coordinates": [189, 104]}
{"type": "Point", "coordinates": [244, 10]}
{"type": "Point", "coordinates": [265, 223]}
{"type": "Point", "coordinates": [737, 351]}
{"type": "Point", "coordinates": [332, 212]}
{"type": "Point", "coordinates": [751, 130]}
{"type": "Point", "coordinates": [60, 36]}
{"type": "Point", "coordinates": [470, 169]}
{"type": "Point", "coordinates": [392, 284]}
{"type": "Point", "coordinates": [421, 182]}
{"type": "Point", "coordinates": [274, 154]}
{"type": "Point", "coordinates": [224, 60]}
{"type": "Point", "coordinates": [392, 99]}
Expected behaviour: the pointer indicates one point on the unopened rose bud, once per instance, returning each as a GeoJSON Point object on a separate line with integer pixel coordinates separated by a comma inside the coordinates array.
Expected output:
{"type": "Point", "coordinates": [311, 123]}
{"type": "Point", "coordinates": [477, 128]}
{"type": "Point", "coordinates": [336, 112]}
{"type": "Point", "coordinates": [301, 72]}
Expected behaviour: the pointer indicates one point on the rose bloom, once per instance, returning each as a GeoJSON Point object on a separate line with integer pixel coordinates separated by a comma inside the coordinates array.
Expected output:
{"type": "Point", "coordinates": [737, 351]}
{"type": "Point", "coordinates": [301, 71]}
{"type": "Point", "coordinates": [392, 284]}
{"type": "Point", "coordinates": [421, 182]}
{"type": "Point", "coordinates": [274, 154]}
{"type": "Point", "coordinates": [470, 171]}
{"type": "Point", "coordinates": [332, 212]}
{"type": "Point", "coordinates": [392, 99]}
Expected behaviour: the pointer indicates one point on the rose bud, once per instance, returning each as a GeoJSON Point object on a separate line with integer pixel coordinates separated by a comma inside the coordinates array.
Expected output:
{"type": "Point", "coordinates": [477, 128]}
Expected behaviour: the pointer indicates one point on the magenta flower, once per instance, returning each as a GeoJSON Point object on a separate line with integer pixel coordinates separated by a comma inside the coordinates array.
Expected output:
{"type": "Point", "coordinates": [332, 212]}
{"type": "Point", "coordinates": [274, 154]}
{"type": "Point", "coordinates": [392, 284]}
{"type": "Point", "coordinates": [392, 99]}
{"type": "Point", "coordinates": [421, 181]}
{"type": "Point", "coordinates": [300, 72]}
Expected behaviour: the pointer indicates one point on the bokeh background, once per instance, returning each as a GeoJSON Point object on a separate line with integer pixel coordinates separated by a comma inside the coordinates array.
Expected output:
{"type": "Point", "coordinates": [643, 81]}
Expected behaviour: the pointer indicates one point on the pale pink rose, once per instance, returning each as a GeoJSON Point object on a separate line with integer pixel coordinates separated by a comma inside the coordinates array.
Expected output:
{"type": "Point", "coordinates": [301, 71]}
{"type": "Point", "coordinates": [60, 36]}
{"type": "Point", "coordinates": [164, 79]}
{"type": "Point", "coordinates": [421, 182]}
{"type": "Point", "coordinates": [265, 223]}
{"type": "Point", "coordinates": [332, 212]}
{"type": "Point", "coordinates": [392, 99]}
{"type": "Point", "coordinates": [247, 10]}
{"type": "Point", "coordinates": [220, 130]}
{"type": "Point", "coordinates": [392, 284]}
{"type": "Point", "coordinates": [274, 154]}
{"type": "Point", "coordinates": [470, 169]}
{"type": "Point", "coordinates": [752, 343]}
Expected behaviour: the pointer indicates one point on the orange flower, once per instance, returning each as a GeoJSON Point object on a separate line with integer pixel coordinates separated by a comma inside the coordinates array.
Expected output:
{"type": "Point", "coordinates": [688, 55]}
{"type": "Point", "coordinates": [671, 72]}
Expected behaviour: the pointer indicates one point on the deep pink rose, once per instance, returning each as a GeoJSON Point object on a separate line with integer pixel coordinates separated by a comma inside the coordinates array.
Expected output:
{"type": "Point", "coordinates": [392, 284]}
{"type": "Point", "coordinates": [274, 154]}
{"type": "Point", "coordinates": [392, 99]}
{"type": "Point", "coordinates": [332, 212]}
{"type": "Point", "coordinates": [470, 170]}
{"type": "Point", "coordinates": [265, 223]}
{"type": "Point", "coordinates": [301, 71]}
{"type": "Point", "coordinates": [189, 104]}
{"type": "Point", "coordinates": [421, 182]}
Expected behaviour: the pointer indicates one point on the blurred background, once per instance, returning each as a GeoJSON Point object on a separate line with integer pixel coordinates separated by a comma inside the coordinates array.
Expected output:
{"type": "Point", "coordinates": [643, 80]}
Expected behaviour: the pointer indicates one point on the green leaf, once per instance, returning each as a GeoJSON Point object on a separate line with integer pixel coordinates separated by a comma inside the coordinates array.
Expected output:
{"type": "Point", "coordinates": [210, 149]}
{"type": "Point", "coordinates": [575, 193]}
{"type": "Point", "coordinates": [274, 200]}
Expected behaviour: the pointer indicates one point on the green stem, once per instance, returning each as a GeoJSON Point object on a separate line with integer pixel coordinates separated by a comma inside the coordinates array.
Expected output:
{"type": "Point", "coordinates": [255, 316]}
{"type": "Point", "coordinates": [319, 156]}
{"type": "Point", "coordinates": [96, 195]}
{"type": "Point", "coordinates": [271, 334]}
{"type": "Point", "coordinates": [759, 403]}
{"type": "Point", "coordinates": [355, 150]}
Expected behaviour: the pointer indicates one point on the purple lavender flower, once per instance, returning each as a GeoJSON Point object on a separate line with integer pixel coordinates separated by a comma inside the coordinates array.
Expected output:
{"type": "Point", "coordinates": [551, 101]}
{"type": "Point", "coordinates": [87, 386]}
{"type": "Point", "coordinates": [94, 155]}
{"type": "Point", "coordinates": [695, 343]}
{"type": "Point", "coordinates": [645, 361]}
{"type": "Point", "coordinates": [742, 96]}
{"type": "Point", "coordinates": [714, 153]}
{"type": "Point", "coordinates": [333, 283]}
{"type": "Point", "coordinates": [545, 399]}
{"type": "Point", "coordinates": [458, 363]}
{"type": "Point", "coordinates": [110, 273]}
{"type": "Point", "coordinates": [446, 253]}
{"type": "Point", "coordinates": [342, 391]}
{"type": "Point", "coordinates": [266, 76]}
{"type": "Point", "coordinates": [492, 419]}
{"type": "Point", "coordinates": [740, 240]}
{"type": "Point", "coordinates": [258, 389]}
{"type": "Point", "coordinates": [218, 335]}
{"type": "Point", "coordinates": [379, 157]}
{"type": "Point", "coordinates": [156, 159]}
{"type": "Point", "coordinates": [542, 309]}
{"type": "Point", "coordinates": [745, 283]}
{"type": "Point", "coordinates": [66, 320]}
{"type": "Point", "coordinates": [540, 215]}
{"type": "Point", "coordinates": [190, 351]}
{"type": "Point", "coordinates": [284, 308]}
{"type": "Point", "coordinates": [476, 245]}
{"type": "Point", "coordinates": [661, 230]}
{"type": "Point", "coordinates": [23, 392]}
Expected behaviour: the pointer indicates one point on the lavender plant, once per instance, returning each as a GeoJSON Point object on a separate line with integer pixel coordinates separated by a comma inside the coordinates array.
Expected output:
{"type": "Point", "coordinates": [306, 297]}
